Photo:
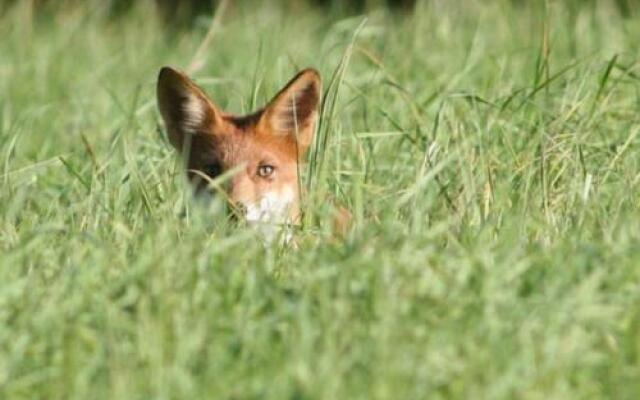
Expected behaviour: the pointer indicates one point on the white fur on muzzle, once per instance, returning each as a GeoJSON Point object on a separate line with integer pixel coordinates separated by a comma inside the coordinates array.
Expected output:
{"type": "Point", "coordinates": [270, 215]}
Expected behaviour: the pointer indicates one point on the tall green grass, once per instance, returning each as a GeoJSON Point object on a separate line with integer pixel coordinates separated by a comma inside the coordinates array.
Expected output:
{"type": "Point", "coordinates": [488, 152]}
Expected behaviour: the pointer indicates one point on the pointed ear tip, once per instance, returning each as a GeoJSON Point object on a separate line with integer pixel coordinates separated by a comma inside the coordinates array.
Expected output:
{"type": "Point", "coordinates": [310, 70]}
{"type": "Point", "coordinates": [170, 83]}
{"type": "Point", "coordinates": [166, 71]}
{"type": "Point", "coordinates": [167, 74]}
{"type": "Point", "coordinates": [311, 73]}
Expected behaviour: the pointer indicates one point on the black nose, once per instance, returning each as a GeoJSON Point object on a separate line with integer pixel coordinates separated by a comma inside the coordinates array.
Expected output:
{"type": "Point", "coordinates": [241, 208]}
{"type": "Point", "coordinates": [237, 210]}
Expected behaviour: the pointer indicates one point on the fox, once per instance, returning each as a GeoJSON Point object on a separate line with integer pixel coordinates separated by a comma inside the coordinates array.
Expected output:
{"type": "Point", "coordinates": [262, 152]}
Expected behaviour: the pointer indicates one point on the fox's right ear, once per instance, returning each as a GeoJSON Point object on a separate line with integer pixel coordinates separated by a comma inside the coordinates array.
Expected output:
{"type": "Point", "coordinates": [185, 108]}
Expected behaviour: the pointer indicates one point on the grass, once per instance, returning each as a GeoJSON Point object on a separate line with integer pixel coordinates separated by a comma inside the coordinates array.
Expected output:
{"type": "Point", "coordinates": [488, 152]}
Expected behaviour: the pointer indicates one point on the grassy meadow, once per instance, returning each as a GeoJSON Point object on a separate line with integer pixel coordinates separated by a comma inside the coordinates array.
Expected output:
{"type": "Point", "coordinates": [487, 150]}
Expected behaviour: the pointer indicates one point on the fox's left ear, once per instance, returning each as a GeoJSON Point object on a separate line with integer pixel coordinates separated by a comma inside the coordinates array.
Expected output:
{"type": "Point", "coordinates": [292, 112]}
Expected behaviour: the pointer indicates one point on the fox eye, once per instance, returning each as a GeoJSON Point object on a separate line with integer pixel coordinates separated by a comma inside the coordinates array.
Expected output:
{"type": "Point", "coordinates": [265, 171]}
{"type": "Point", "coordinates": [212, 170]}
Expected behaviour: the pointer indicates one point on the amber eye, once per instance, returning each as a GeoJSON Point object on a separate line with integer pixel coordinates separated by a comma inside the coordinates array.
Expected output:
{"type": "Point", "coordinates": [265, 171]}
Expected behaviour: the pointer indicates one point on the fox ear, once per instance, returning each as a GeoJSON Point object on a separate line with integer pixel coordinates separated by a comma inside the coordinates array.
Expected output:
{"type": "Point", "coordinates": [292, 112]}
{"type": "Point", "coordinates": [185, 108]}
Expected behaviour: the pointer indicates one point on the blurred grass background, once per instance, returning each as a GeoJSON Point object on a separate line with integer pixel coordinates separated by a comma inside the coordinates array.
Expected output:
{"type": "Point", "coordinates": [488, 151]}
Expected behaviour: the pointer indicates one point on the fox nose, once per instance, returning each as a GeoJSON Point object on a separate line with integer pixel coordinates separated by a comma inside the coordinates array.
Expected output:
{"type": "Point", "coordinates": [237, 210]}
{"type": "Point", "coordinates": [241, 208]}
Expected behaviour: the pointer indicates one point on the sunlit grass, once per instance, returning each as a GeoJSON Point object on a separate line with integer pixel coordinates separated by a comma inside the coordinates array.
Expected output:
{"type": "Point", "coordinates": [488, 153]}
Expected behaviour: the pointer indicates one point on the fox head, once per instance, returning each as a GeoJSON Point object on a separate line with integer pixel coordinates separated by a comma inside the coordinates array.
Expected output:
{"type": "Point", "coordinates": [261, 151]}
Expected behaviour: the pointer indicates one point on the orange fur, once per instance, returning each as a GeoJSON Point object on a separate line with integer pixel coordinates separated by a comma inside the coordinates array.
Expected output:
{"type": "Point", "coordinates": [264, 148]}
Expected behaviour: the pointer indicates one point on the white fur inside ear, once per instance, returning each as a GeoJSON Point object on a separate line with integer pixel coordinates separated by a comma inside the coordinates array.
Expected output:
{"type": "Point", "coordinates": [284, 118]}
{"type": "Point", "coordinates": [194, 113]}
{"type": "Point", "coordinates": [288, 117]}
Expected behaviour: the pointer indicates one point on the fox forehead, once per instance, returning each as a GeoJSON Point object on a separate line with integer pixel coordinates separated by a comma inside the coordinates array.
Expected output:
{"type": "Point", "coordinates": [240, 140]}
